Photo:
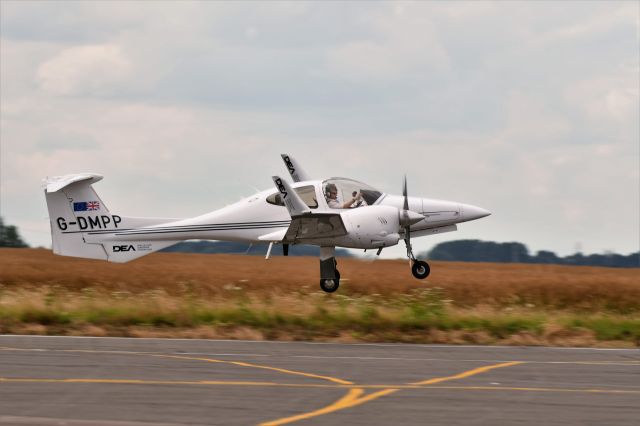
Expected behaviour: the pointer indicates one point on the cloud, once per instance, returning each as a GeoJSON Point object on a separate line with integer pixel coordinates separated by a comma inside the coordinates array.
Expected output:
{"type": "Point", "coordinates": [93, 70]}
{"type": "Point", "coordinates": [528, 109]}
{"type": "Point", "coordinates": [406, 46]}
{"type": "Point", "coordinates": [598, 21]}
{"type": "Point", "coordinates": [613, 97]}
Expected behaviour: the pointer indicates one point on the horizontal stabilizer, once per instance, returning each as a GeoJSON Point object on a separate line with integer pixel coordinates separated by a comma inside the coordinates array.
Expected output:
{"type": "Point", "coordinates": [56, 183]}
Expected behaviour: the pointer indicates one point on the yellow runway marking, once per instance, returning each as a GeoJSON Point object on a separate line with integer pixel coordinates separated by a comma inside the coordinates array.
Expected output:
{"type": "Point", "coordinates": [264, 367]}
{"type": "Point", "coordinates": [353, 398]}
{"type": "Point", "coordinates": [356, 394]}
{"type": "Point", "coordinates": [467, 373]}
{"type": "Point", "coordinates": [348, 397]}
{"type": "Point", "coordinates": [219, 361]}
{"type": "Point", "coordinates": [385, 387]}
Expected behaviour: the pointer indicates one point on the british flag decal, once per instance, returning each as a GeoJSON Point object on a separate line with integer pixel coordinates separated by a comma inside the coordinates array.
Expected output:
{"type": "Point", "coordinates": [86, 206]}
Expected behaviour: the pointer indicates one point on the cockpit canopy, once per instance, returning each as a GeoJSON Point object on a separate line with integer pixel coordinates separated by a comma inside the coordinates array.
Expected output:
{"type": "Point", "coordinates": [349, 188]}
{"type": "Point", "coordinates": [346, 189]}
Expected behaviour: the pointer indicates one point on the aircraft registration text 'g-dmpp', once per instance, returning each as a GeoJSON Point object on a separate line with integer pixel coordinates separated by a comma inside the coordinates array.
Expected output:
{"type": "Point", "coordinates": [329, 213]}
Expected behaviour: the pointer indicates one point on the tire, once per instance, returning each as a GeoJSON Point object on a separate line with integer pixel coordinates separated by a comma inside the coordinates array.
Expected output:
{"type": "Point", "coordinates": [420, 269]}
{"type": "Point", "coordinates": [329, 286]}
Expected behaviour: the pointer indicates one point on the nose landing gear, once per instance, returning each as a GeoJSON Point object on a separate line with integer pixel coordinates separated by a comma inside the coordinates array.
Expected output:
{"type": "Point", "coordinates": [420, 269]}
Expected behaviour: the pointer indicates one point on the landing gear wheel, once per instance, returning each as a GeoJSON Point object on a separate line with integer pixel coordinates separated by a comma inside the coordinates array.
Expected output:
{"type": "Point", "coordinates": [329, 286]}
{"type": "Point", "coordinates": [420, 269]}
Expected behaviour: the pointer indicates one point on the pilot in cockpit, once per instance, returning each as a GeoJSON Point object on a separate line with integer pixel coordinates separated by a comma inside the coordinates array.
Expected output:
{"type": "Point", "coordinates": [331, 193]}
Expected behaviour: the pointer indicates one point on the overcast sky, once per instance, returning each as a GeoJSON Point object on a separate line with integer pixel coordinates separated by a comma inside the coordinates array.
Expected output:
{"type": "Point", "coordinates": [530, 110]}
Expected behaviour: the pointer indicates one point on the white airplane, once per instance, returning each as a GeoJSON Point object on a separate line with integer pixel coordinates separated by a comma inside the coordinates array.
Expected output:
{"type": "Point", "coordinates": [330, 213]}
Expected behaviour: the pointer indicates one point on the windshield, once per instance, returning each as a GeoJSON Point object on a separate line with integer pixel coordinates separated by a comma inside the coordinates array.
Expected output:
{"type": "Point", "coordinates": [339, 193]}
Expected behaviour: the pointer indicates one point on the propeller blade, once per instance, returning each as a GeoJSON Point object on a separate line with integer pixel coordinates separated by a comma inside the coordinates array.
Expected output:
{"type": "Point", "coordinates": [407, 218]}
{"type": "Point", "coordinates": [404, 192]}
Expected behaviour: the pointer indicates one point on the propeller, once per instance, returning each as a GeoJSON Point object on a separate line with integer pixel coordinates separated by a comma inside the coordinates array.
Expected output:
{"type": "Point", "coordinates": [408, 218]}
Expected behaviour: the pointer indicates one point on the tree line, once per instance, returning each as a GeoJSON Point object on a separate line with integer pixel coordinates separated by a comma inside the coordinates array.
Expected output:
{"type": "Point", "coordinates": [514, 252]}
{"type": "Point", "coordinates": [9, 236]}
{"type": "Point", "coordinates": [459, 251]}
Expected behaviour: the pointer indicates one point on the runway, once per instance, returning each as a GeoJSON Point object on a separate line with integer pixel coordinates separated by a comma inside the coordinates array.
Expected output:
{"type": "Point", "coordinates": [120, 382]}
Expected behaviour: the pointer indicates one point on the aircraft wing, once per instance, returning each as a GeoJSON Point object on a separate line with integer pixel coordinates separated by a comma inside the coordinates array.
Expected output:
{"type": "Point", "coordinates": [314, 226]}
{"type": "Point", "coordinates": [305, 225]}
{"type": "Point", "coordinates": [309, 227]}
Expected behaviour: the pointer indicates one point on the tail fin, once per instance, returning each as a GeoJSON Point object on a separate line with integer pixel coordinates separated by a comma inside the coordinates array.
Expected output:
{"type": "Point", "coordinates": [83, 226]}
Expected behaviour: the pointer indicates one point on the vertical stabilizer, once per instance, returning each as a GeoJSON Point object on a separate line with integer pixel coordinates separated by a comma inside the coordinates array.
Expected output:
{"type": "Point", "coordinates": [83, 226]}
{"type": "Point", "coordinates": [74, 205]}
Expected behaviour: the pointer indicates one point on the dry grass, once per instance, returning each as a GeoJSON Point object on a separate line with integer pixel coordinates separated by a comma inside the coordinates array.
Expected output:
{"type": "Point", "coordinates": [232, 296]}
{"type": "Point", "coordinates": [215, 276]}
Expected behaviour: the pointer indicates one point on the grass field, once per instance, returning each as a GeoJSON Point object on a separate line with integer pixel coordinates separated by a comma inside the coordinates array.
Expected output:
{"type": "Point", "coordinates": [234, 296]}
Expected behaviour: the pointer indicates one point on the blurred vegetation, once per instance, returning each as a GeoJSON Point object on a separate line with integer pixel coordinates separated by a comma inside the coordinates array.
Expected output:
{"type": "Point", "coordinates": [488, 251]}
{"type": "Point", "coordinates": [225, 296]}
{"type": "Point", "coordinates": [9, 236]}
{"type": "Point", "coordinates": [421, 316]}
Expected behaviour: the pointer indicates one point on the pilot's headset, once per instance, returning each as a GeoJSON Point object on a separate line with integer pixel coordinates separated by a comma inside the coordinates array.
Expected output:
{"type": "Point", "coordinates": [330, 187]}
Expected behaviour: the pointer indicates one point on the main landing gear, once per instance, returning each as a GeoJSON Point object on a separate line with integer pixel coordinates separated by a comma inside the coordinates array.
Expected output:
{"type": "Point", "coordinates": [329, 274]}
{"type": "Point", "coordinates": [330, 285]}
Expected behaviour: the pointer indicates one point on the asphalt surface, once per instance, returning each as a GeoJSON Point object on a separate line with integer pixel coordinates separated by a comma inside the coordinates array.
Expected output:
{"type": "Point", "coordinates": [126, 382]}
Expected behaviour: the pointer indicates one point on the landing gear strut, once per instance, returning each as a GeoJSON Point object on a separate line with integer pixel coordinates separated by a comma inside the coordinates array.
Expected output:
{"type": "Point", "coordinates": [419, 268]}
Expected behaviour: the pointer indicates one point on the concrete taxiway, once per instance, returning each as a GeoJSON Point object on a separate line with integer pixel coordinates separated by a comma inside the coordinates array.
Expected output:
{"type": "Point", "coordinates": [120, 381]}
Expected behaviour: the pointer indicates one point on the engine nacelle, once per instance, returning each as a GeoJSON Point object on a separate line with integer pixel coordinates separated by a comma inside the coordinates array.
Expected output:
{"type": "Point", "coordinates": [372, 226]}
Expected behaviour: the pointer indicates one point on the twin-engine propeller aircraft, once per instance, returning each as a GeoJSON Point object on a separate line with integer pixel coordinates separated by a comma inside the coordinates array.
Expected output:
{"type": "Point", "coordinates": [330, 213]}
